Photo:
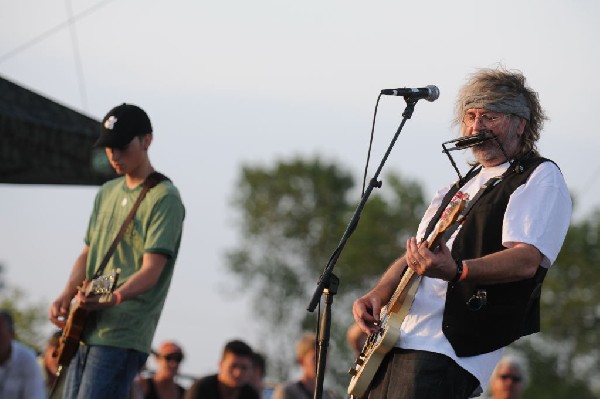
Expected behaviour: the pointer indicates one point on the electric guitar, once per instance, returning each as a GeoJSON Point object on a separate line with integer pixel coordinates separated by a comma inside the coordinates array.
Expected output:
{"type": "Point", "coordinates": [71, 334]}
{"type": "Point", "coordinates": [392, 315]}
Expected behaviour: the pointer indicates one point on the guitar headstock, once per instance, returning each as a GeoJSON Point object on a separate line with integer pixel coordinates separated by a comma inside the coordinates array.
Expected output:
{"type": "Point", "coordinates": [102, 285]}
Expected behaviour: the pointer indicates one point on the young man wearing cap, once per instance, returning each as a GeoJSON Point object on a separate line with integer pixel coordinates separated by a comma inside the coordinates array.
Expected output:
{"type": "Point", "coordinates": [119, 329]}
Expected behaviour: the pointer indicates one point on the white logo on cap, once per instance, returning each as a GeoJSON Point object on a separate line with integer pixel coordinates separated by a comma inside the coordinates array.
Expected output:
{"type": "Point", "coordinates": [110, 122]}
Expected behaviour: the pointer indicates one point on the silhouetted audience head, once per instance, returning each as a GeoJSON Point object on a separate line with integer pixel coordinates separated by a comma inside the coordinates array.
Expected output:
{"type": "Point", "coordinates": [50, 360]}
{"type": "Point", "coordinates": [305, 345]}
{"type": "Point", "coordinates": [20, 373]}
{"type": "Point", "coordinates": [7, 321]}
{"type": "Point", "coordinates": [168, 358]}
{"type": "Point", "coordinates": [259, 370]}
{"type": "Point", "coordinates": [509, 378]}
{"type": "Point", "coordinates": [306, 355]}
{"type": "Point", "coordinates": [235, 367]}
{"type": "Point", "coordinates": [7, 334]}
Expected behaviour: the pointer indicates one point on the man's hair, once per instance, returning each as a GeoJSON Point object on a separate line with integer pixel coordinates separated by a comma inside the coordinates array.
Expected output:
{"type": "Point", "coordinates": [259, 362]}
{"type": "Point", "coordinates": [237, 347]}
{"type": "Point", "coordinates": [8, 320]}
{"type": "Point", "coordinates": [516, 362]}
{"type": "Point", "coordinates": [500, 85]}
{"type": "Point", "coordinates": [305, 344]}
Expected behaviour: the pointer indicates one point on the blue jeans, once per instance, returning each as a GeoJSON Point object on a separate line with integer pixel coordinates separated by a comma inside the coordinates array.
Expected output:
{"type": "Point", "coordinates": [102, 372]}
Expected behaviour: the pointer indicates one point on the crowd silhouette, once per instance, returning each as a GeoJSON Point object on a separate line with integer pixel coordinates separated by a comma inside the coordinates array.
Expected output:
{"type": "Point", "coordinates": [240, 373]}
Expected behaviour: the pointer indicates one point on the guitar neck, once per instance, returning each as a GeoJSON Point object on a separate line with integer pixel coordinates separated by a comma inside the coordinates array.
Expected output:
{"type": "Point", "coordinates": [399, 295]}
{"type": "Point", "coordinates": [409, 274]}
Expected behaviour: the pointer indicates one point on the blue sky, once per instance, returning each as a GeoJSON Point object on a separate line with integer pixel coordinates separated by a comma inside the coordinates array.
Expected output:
{"type": "Point", "coordinates": [234, 82]}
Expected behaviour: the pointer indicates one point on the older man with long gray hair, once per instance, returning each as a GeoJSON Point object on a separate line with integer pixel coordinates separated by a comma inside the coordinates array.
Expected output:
{"type": "Point", "coordinates": [478, 291]}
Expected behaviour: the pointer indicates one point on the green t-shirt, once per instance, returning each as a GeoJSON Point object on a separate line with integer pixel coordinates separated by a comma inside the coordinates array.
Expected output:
{"type": "Point", "coordinates": [156, 228]}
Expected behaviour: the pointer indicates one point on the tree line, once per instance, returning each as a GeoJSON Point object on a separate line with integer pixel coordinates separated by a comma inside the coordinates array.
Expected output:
{"type": "Point", "coordinates": [291, 216]}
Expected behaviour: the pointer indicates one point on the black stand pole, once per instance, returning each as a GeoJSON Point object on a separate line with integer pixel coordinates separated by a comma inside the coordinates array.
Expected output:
{"type": "Point", "coordinates": [329, 282]}
{"type": "Point", "coordinates": [324, 333]}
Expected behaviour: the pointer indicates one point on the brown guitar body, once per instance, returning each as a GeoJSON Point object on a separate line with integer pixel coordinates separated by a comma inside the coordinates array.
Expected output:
{"type": "Point", "coordinates": [73, 330]}
{"type": "Point", "coordinates": [69, 342]}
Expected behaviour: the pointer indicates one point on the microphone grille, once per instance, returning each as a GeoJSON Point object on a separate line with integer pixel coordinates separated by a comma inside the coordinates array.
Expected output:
{"type": "Point", "coordinates": [434, 93]}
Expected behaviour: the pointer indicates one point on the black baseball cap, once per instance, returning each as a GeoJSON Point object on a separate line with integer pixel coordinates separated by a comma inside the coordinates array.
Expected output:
{"type": "Point", "coordinates": [121, 124]}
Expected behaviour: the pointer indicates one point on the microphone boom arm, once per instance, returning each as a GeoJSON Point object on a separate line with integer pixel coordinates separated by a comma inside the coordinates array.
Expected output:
{"type": "Point", "coordinates": [328, 282]}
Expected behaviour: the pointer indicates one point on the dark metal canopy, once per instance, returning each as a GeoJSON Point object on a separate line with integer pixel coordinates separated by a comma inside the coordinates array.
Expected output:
{"type": "Point", "coordinates": [43, 142]}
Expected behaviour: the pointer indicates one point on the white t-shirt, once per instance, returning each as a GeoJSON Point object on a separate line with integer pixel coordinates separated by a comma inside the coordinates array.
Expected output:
{"type": "Point", "coordinates": [538, 213]}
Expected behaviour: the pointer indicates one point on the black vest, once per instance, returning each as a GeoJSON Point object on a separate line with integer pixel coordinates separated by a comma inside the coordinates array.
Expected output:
{"type": "Point", "coordinates": [512, 309]}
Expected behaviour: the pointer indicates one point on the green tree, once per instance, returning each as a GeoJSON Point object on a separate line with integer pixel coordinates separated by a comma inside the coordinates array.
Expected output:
{"type": "Point", "coordinates": [293, 216]}
{"type": "Point", "coordinates": [565, 356]}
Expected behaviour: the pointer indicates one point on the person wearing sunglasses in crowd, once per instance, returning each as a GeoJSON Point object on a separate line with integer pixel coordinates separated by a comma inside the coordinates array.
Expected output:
{"type": "Point", "coordinates": [162, 384]}
{"type": "Point", "coordinates": [480, 290]}
{"type": "Point", "coordinates": [508, 380]}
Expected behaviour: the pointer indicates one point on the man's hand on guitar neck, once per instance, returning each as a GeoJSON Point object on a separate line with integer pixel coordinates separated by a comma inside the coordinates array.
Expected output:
{"type": "Point", "coordinates": [435, 264]}
{"type": "Point", "coordinates": [95, 302]}
{"type": "Point", "coordinates": [60, 308]}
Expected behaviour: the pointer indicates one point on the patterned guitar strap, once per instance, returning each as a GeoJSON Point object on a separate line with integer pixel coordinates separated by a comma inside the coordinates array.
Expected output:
{"type": "Point", "coordinates": [453, 192]}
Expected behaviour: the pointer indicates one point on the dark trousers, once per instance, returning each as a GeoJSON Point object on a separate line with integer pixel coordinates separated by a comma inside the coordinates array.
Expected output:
{"type": "Point", "coordinates": [412, 374]}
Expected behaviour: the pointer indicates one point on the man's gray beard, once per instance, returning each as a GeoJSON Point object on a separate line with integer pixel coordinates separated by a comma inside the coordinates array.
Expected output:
{"type": "Point", "coordinates": [490, 150]}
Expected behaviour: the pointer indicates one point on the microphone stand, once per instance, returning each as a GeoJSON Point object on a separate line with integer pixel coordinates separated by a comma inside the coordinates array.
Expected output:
{"type": "Point", "coordinates": [329, 282]}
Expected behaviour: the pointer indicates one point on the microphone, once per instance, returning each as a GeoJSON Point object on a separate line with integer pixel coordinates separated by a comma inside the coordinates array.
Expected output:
{"type": "Point", "coordinates": [429, 93]}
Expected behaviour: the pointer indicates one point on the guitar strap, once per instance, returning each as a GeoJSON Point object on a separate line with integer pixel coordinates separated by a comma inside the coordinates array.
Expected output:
{"type": "Point", "coordinates": [487, 186]}
{"type": "Point", "coordinates": [152, 180]}
{"type": "Point", "coordinates": [516, 166]}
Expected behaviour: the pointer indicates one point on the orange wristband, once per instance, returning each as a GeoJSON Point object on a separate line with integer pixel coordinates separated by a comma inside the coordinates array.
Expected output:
{"type": "Point", "coordinates": [465, 272]}
{"type": "Point", "coordinates": [117, 295]}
